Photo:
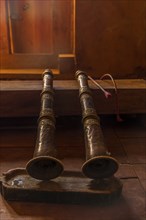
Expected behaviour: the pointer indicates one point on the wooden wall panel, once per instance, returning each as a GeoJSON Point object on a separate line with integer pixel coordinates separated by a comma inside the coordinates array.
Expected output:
{"type": "Point", "coordinates": [41, 26]}
{"type": "Point", "coordinates": [63, 26]}
{"type": "Point", "coordinates": [111, 37]}
{"type": "Point", "coordinates": [31, 26]}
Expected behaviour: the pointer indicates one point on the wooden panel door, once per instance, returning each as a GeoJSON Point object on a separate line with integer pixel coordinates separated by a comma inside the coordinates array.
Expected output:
{"type": "Point", "coordinates": [31, 26]}
{"type": "Point", "coordinates": [34, 32]}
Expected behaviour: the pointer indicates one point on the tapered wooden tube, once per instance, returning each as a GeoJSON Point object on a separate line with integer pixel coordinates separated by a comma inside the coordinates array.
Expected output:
{"type": "Point", "coordinates": [45, 165]}
{"type": "Point", "coordinates": [98, 162]}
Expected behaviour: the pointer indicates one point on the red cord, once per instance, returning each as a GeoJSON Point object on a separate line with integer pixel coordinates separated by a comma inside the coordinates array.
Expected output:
{"type": "Point", "coordinates": [119, 119]}
{"type": "Point", "coordinates": [106, 93]}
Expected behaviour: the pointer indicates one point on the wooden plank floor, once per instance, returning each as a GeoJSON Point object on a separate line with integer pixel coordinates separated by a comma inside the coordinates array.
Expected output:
{"type": "Point", "coordinates": [126, 142]}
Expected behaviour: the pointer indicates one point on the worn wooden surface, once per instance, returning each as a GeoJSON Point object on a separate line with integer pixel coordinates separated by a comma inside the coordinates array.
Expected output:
{"type": "Point", "coordinates": [16, 148]}
{"type": "Point", "coordinates": [24, 97]}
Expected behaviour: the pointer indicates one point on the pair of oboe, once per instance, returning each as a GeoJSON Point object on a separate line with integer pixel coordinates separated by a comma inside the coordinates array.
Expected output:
{"type": "Point", "coordinates": [45, 165]}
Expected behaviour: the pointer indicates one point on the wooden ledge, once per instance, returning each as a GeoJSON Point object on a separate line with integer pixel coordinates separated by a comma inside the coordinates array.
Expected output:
{"type": "Point", "coordinates": [136, 84]}
{"type": "Point", "coordinates": [27, 74]}
{"type": "Point", "coordinates": [22, 98]}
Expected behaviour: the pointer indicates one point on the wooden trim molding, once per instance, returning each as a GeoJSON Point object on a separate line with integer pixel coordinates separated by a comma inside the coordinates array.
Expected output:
{"type": "Point", "coordinates": [25, 74]}
{"type": "Point", "coordinates": [62, 66]}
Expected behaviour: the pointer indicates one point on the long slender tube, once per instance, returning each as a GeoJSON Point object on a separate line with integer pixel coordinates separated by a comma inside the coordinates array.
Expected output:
{"type": "Point", "coordinates": [45, 165]}
{"type": "Point", "coordinates": [98, 163]}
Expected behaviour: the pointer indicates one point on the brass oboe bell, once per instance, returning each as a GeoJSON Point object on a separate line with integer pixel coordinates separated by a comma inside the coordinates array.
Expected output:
{"type": "Point", "coordinates": [98, 162]}
{"type": "Point", "coordinates": [45, 165]}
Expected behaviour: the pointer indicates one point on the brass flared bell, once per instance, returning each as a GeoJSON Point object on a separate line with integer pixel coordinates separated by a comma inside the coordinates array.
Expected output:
{"type": "Point", "coordinates": [44, 167]}
{"type": "Point", "coordinates": [100, 167]}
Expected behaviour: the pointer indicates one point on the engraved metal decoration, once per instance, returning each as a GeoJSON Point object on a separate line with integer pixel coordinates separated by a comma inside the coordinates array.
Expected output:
{"type": "Point", "coordinates": [45, 165]}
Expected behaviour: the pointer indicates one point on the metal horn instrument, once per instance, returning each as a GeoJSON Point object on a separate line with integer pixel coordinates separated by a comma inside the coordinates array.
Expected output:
{"type": "Point", "coordinates": [44, 165]}
{"type": "Point", "coordinates": [98, 162]}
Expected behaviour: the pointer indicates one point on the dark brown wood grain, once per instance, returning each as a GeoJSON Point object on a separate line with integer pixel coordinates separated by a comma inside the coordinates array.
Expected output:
{"type": "Point", "coordinates": [110, 36]}
{"type": "Point", "coordinates": [22, 98]}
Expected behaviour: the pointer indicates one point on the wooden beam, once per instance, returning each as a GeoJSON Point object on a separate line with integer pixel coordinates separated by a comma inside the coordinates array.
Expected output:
{"type": "Point", "coordinates": [22, 98]}
{"type": "Point", "coordinates": [27, 74]}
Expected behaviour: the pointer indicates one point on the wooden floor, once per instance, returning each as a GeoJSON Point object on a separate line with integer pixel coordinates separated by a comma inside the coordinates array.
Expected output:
{"type": "Point", "coordinates": [126, 141]}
